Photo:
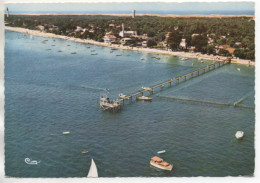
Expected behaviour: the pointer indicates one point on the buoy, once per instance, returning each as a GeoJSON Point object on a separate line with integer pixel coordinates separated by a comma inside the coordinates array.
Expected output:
{"type": "Point", "coordinates": [66, 133]}
{"type": "Point", "coordinates": [239, 134]}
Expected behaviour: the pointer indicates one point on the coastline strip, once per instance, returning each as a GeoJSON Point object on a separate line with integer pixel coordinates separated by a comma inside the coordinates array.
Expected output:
{"type": "Point", "coordinates": [88, 41]}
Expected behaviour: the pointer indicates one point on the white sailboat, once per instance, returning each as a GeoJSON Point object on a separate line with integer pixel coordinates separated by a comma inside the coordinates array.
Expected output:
{"type": "Point", "coordinates": [93, 173]}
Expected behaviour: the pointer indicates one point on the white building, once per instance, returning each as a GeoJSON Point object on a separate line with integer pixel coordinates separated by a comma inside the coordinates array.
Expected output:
{"type": "Point", "coordinates": [195, 35]}
{"type": "Point", "coordinates": [41, 27]}
{"type": "Point", "coordinates": [109, 38]}
{"type": "Point", "coordinates": [144, 43]}
{"type": "Point", "coordinates": [124, 33]}
{"type": "Point", "coordinates": [183, 43]}
{"type": "Point", "coordinates": [124, 40]}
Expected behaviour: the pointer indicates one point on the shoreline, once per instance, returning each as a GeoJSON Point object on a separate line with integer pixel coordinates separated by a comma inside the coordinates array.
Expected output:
{"type": "Point", "coordinates": [151, 50]}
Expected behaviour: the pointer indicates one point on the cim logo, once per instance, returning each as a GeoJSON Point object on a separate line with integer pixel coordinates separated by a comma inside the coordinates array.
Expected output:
{"type": "Point", "coordinates": [31, 162]}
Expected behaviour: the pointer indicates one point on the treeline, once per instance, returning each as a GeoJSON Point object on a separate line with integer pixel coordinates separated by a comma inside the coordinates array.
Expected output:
{"type": "Point", "coordinates": [238, 33]}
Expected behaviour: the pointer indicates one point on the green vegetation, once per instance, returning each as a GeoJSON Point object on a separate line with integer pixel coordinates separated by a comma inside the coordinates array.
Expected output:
{"type": "Point", "coordinates": [205, 34]}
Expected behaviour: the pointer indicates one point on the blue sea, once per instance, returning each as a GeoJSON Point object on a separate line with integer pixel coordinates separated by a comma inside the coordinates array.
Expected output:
{"type": "Point", "coordinates": [53, 85]}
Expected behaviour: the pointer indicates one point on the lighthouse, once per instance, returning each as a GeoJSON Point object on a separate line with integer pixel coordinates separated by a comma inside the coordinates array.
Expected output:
{"type": "Point", "coordinates": [133, 13]}
{"type": "Point", "coordinates": [7, 14]}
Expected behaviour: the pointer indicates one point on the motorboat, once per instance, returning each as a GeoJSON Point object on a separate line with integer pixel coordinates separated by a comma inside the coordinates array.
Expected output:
{"type": "Point", "coordinates": [144, 98]}
{"type": "Point", "coordinates": [65, 133]}
{"type": "Point", "coordinates": [160, 152]}
{"type": "Point", "coordinates": [93, 173]}
{"type": "Point", "coordinates": [159, 163]}
{"type": "Point", "coordinates": [84, 152]}
{"type": "Point", "coordinates": [121, 95]}
{"type": "Point", "coordinates": [239, 134]}
{"type": "Point", "coordinates": [146, 88]}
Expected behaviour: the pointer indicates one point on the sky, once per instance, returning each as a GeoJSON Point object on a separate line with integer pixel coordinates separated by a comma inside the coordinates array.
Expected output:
{"type": "Point", "coordinates": [139, 6]}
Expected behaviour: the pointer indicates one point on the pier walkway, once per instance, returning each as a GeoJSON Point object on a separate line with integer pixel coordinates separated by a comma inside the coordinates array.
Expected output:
{"type": "Point", "coordinates": [169, 82]}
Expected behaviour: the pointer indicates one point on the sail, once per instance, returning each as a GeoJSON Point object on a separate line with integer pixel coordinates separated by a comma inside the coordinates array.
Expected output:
{"type": "Point", "coordinates": [93, 170]}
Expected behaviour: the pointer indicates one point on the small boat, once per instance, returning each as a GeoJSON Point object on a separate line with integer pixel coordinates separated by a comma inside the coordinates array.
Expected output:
{"type": "Point", "coordinates": [73, 52]}
{"type": "Point", "coordinates": [94, 54]}
{"type": "Point", "coordinates": [160, 152]}
{"type": "Point", "coordinates": [121, 95]}
{"type": "Point", "coordinates": [184, 58]}
{"type": "Point", "coordinates": [146, 88]}
{"type": "Point", "coordinates": [93, 173]}
{"type": "Point", "coordinates": [238, 69]}
{"type": "Point", "coordinates": [159, 163]}
{"type": "Point", "coordinates": [119, 55]}
{"type": "Point", "coordinates": [84, 152]}
{"type": "Point", "coordinates": [142, 58]}
{"type": "Point", "coordinates": [65, 133]}
{"type": "Point", "coordinates": [158, 58]}
{"type": "Point", "coordinates": [239, 134]}
{"type": "Point", "coordinates": [144, 98]}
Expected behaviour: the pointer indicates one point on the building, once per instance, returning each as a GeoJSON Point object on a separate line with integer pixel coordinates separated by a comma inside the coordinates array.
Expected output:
{"type": "Point", "coordinates": [144, 37]}
{"type": "Point", "coordinates": [124, 33]}
{"type": "Point", "coordinates": [144, 43]}
{"type": "Point", "coordinates": [41, 27]}
{"type": "Point", "coordinates": [194, 35]}
{"type": "Point", "coordinates": [163, 44]}
{"type": "Point", "coordinates": [133, 14]}
{"type": "Point", "coordinates": [78, 28]}
{"type": "Point", "coordinates": [124, 40]}
{"type": "Point", "coordinates": [225, 47]}
{"type": "Point", "coordinates": [183, 44]}
{"type": "Point", "coordinates": [109, 38]}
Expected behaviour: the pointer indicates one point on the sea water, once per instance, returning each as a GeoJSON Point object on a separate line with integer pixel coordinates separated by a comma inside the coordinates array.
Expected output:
{"type": "Point", "coordinates": [53, 85]}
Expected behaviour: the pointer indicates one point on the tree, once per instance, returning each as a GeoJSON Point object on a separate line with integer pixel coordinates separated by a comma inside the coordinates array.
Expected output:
{"type": "Point", "coordinates": [174, 40]}
{"type": "Point", "coordinates": [200, 42]}
{"type": "Point", "coordinates": [224, 52]}
{"type": "Point", "coordinates": [239, 53]}
{"type": "Point", "coordinates": [210, 49]}
{"type": "Point", "coordinates": [151, 43]}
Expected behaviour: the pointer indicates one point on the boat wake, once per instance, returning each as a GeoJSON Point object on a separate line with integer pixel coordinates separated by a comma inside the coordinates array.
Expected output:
{"type": "Point", "coordinates": [94, 88]}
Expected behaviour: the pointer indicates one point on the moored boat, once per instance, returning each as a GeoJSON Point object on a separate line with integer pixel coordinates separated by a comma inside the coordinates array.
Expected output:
{"type": "Point", "coordinates": [160, 152]}
{"type": "Point", "coordinates": [159, 163]}
{"type": "Point", "coordinates": [144, 98]}
{"type": "Point", "coordinates": [65, 133]}
{"type": "Point", "coordinates": [239, 134]}
{"type": "Point", "coordinates": [121, 95]}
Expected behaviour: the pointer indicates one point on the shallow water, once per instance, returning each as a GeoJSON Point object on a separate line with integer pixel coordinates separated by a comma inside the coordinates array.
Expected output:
{"type": "Point", "coordinates": [48, 91]}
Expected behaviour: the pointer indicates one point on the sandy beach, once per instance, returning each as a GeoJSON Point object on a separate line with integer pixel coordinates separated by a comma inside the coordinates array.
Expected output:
{"type": "Point", "coordinates": [175, 53]}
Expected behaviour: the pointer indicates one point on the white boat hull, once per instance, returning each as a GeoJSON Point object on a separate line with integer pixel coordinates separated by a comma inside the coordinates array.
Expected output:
{"type": "Point", "coordinates": [239, 135]}
{"type": "Point", "coordinates": [160, 167]}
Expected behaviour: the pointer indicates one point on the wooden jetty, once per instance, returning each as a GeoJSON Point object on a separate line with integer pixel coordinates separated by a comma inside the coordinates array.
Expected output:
{"type": "Point", "coordinates": [116, 105]}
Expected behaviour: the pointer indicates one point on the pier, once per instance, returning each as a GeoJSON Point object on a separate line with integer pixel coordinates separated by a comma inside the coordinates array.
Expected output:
{"type": "Point", "coordinates": [116, 105]}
